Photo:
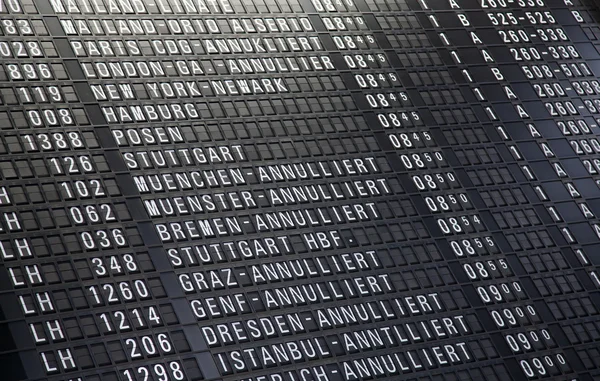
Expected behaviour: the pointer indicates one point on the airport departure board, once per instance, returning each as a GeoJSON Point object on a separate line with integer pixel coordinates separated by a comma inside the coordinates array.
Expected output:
{"type": "Point", "coordinates": [299, 190]}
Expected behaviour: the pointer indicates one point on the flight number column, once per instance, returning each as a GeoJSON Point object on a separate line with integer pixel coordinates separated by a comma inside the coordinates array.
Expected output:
{"type": "Point", "coordinates": [78, 249]}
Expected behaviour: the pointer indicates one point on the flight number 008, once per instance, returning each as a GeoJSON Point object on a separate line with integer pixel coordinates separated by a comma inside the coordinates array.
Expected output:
{"type": "Point", "coordinates": [48, 117]}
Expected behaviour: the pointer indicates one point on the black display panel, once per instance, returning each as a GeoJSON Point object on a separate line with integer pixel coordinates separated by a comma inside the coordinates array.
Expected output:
{"type": "Point", "coordinates": [299, 190]}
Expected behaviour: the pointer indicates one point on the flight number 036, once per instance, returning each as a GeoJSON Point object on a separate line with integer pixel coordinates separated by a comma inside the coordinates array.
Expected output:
{"type": "Point", "coordinates": [102, 239]}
